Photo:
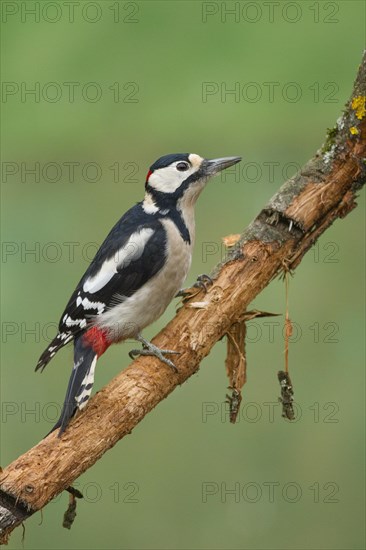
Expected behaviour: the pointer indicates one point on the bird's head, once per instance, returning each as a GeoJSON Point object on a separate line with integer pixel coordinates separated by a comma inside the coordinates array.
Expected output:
{"type": "Point", "coordinates": [180, 178]}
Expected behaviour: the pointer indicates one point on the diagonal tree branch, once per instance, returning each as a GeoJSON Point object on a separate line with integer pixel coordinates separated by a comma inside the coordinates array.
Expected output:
{"type": "Point", "coordinates": [304, 207]}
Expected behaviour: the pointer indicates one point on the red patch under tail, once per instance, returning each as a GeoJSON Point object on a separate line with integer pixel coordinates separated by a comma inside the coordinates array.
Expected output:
{"type": "Point", "coordinates": [97, 339]}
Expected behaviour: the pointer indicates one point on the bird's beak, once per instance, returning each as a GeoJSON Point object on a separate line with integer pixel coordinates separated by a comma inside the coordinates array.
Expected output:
{"type": "Point", "coordinates": [213, 166]}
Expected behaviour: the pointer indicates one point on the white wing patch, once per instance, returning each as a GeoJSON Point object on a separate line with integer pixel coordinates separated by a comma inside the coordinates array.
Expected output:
{"type": "Point", "coordinates": [130, 252]}
{"type": "Point", "coordinates": [87, 304]}
{"type": "Point", "coordinates": [69, 322]}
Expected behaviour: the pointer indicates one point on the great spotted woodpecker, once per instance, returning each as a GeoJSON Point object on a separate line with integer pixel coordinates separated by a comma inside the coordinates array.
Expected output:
{"type": "Point", "coordinates": [135, 274]}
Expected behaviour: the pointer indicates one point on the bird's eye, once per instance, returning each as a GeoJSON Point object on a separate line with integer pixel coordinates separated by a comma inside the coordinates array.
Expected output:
{"type": "Point", "coordinates": [182, 166]}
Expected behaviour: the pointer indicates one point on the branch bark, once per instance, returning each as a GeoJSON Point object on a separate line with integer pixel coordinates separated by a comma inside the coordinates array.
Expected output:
{"type": "Point", "coordinates": [303, 208]}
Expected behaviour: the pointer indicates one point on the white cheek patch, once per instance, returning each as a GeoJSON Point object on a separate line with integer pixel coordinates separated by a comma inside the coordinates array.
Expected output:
{"type": "Point", "coordinates": [130, 252]}
{"type": "Point", "coordinates": [169, 179]}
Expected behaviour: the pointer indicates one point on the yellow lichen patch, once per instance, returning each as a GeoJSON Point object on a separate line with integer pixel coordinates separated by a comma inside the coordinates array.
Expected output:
{"type": "Point", "coordinates": [353, 130]}
{"type": "Point", "coordinates": [230, 240]}
{"type": "Point", "coordinates": [359, 106]}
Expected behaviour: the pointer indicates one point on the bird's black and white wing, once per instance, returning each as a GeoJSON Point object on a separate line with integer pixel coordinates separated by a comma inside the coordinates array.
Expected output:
{"type": "Point", "coordinates": [130, 256]}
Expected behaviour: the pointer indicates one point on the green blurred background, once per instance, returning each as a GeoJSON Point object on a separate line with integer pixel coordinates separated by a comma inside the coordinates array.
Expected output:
{"type": "Point", "coordinates": [139, 73]}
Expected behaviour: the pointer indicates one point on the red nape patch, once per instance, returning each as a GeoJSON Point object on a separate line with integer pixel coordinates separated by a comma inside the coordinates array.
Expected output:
{"type": "Point", "coordinates": [148, 175]}
{"type": "Point", "coordinates": [97, 339]}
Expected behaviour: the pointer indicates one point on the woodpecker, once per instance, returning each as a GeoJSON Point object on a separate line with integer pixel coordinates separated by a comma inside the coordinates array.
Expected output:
{"type": "Point", "coordinates": [135, 274]}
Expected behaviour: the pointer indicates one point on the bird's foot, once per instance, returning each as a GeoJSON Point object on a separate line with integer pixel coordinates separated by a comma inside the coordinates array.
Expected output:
{"type": "Point", "coordinates": [150, 349]}
{"type": "Point", "coordinates": [202, 283]}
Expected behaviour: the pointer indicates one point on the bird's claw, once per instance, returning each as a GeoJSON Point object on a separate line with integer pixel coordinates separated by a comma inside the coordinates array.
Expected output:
{"type": "Point", "coordinates": [150, 349]}
{"type": "Point", "coordinates": [202, 283]}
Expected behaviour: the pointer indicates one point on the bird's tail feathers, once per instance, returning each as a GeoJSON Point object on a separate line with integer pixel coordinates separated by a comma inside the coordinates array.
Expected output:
{"type": "Point", "coordinates": [57, 343]}
{"type": "Point", "coordinates": [80, 383]}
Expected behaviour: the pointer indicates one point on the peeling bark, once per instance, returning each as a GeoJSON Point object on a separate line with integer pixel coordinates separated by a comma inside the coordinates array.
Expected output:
{"type": "Point", "coordinates": [304, 207]}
